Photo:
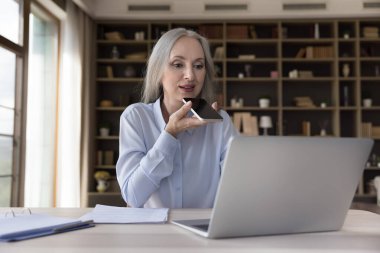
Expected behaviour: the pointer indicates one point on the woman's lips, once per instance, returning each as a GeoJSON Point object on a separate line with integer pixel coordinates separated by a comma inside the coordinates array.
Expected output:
{"type": "Point", "coordinates": [187, 87]}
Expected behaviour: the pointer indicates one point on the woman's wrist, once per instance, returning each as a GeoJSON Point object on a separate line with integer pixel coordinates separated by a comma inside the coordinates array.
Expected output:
{"type": "Point", "coordinates": [169, 130]}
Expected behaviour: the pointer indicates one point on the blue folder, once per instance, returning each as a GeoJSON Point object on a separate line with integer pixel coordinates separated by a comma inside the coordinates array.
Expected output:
{"type": "Point", "coordinates": [37, 225]}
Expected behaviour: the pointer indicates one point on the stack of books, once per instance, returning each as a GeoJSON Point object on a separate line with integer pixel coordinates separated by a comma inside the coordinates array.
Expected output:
{"type": "Point", "coordinates": [376, 131]}
{"type": "Point", "coordinates": [245, 123]}
{"type": "Point", "coordinates": [115, 35]}
{"type": "Point", "coordinates": [304, 102]}
{"type": "Point", "coordinates": [312, 52]}
{"type": "Point", "coordinates": [366, 129]}
{"type": "Point", "coordinates": [305, 74]}
{"type": "Point", "coordinates": [306, 128]}
{"type": "Point", "coordinates": [371, 32]}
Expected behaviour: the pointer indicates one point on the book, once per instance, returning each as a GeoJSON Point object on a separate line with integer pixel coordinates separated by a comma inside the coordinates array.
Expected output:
{"type": "Point", "coordinates": [219, 53]}
{"type": "Point", "coordinates": [250, 125]}
{"type": "Point", "coordinates": [306, 128]}
{"type": "Point", "coordinates": [108, 157]}
{"type": "Point", "coordinates": [237, 120]}
{"type": "Point", "coordinates": [109, 72]}
{"type": "Point", "coordinates": [301, 53]}
{"type": "Point", "coordinates": [16, 228]}
{"type": "Point", "coordinates": [255, 128]}
{"type": "Point", "coordinates": [309, 52]}
{"type": "Point", "coordinates": [366, 128]}
{"type": "Point", "coordinates": [375, 131]}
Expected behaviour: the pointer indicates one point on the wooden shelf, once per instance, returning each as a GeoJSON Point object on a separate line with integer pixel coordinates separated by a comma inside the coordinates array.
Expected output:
{"type": "Point", "coordinates": [114, 61]}
{"type": "Point", "coordinates": [104, 193]}
{"type": "Point", "coordinates": [121, 42]}
{"type": "Point", "coordinates": [308, 60]}
{"type": "Point", "coordinates": [107, 137]}
{"type": "Point", "coordinates": [274, 49]}
{"type": "Point", "coordinates": [251, 108]}
{"type": "Point", "coordinates": [314, 79]}
{"type": "Point", "coordinates": [105, 167]}
{"type": "Point", "coordinates": [307, 40]}
{"type": "Point", "coordinates": [251, 79]}
{"type": "Point", "coordinates": [117, 80]}
{"type": "Point", "coordinates": [252, 60]}
{"type": "Point", "coordinates": [116, 108]}
{"type": "Point", "coordinates": [289, 108]}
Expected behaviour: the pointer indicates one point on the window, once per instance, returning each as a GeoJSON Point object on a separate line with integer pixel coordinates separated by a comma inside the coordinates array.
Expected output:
{"type": "Point", "coordinates": [11, 71]}
{"type": "Point", "coordinates": [41, 110]}
{"type": "Point", "coordinates": [11, 20]}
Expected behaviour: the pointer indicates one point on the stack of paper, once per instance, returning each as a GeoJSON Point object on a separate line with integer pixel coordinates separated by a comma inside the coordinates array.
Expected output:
{"type": "Point", "coordinates": [113, 214]}
{"type": "Point", "coordinates": [36, 225]}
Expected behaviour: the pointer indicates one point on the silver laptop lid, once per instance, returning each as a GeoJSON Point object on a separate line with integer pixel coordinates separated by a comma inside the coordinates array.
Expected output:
{"type": "Point", "coordinates": [275, 185]}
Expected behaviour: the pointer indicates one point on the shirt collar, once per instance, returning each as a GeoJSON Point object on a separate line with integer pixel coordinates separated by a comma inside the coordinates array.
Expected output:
{"type": "Point", "coordinates": [160, 119]}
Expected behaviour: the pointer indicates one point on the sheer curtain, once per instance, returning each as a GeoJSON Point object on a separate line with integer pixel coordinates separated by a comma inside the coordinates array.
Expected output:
{"type": "Point", "coordinates": [74, 79]}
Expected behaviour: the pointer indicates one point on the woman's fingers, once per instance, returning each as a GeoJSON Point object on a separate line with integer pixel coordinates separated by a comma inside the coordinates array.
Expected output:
{"type": "Point", "coordinates": [179, 121]}
{"type": "Point", "coordinates": [215, 106]}
{"type": "Point", "coordinates": [182, 112]}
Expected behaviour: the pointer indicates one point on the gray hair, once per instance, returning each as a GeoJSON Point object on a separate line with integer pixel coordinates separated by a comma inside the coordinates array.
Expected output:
{"type": "Point", "coordinates": [152, 88]}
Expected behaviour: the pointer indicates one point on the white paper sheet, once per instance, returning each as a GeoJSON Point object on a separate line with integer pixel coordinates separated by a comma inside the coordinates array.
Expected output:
{"type": "Point", "coordinates": [113, 214]}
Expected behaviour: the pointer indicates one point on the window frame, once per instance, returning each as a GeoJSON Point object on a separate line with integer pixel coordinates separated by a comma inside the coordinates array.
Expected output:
{"type": "Point", "coordinates": [21, 73]}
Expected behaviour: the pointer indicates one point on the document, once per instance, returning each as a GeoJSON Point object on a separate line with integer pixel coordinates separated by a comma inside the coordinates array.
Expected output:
{"type": "Point", "coordinates": [113, 214]}
{"type": "Point", "coordinates": [36, 225]}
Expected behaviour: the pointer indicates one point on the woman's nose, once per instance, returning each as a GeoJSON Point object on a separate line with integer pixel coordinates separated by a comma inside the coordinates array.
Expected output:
{"type": "Point", "coordinates": [189, 74]}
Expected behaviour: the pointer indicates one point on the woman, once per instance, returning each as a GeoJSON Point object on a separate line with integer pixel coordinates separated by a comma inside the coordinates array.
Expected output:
{"type": "Point", "coordinates": [168, 158]}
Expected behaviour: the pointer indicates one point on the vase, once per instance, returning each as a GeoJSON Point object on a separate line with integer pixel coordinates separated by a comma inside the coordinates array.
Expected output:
{"type": "Point", "coordinates": [104, 132]}
{"type": "Point", "coordinates": [102, 185]}
{"type": "Point", "coordinates": [346, 70]}
{"type": "Point", "coordinates": [367, 102]}
{"type": "Point", "coordinates": [264, 102]}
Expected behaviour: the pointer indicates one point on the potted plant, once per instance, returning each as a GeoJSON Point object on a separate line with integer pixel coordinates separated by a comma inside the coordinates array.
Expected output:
{"type": "Point", "coordinates": [102, 179]}
{"type": "Point", "coordinates": [264, 101]}
{"type": "Point", "coordinates": [104, 129]}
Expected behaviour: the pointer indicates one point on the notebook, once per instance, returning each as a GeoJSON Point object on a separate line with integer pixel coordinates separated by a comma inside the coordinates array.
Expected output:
{"type": "Point", "coordinates": [16, 228]}
{"type": "Point", "coordinates": [282, 185]}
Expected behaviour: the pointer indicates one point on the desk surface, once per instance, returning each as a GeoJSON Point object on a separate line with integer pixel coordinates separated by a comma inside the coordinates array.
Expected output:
{"type": "Point", "coordinates": [360, 233]}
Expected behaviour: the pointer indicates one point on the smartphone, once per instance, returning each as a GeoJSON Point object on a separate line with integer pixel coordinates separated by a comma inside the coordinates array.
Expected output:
{"type": "Point", "coordinates": [202, 110]}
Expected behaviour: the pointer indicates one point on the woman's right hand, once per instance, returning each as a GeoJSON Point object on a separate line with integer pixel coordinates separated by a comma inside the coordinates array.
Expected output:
{"type": "Point", "coordinates": [179, 122]}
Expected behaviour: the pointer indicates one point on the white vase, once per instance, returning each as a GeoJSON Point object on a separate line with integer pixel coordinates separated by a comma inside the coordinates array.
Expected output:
{"type": "Point", "coordinates": [264, 102]}
{"type": "Point", "coordinates": [346, 70]}
{"type": "Point", "coordinates": [367, 102]}
{"type": "Point", "coordinates": [104, 132]}
{"type": "Point", "coordinates": [102, 186]}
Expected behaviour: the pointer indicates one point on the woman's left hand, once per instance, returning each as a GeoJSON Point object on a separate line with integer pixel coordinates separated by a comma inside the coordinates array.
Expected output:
{"type": "Point", "coordinates": [215, 106]}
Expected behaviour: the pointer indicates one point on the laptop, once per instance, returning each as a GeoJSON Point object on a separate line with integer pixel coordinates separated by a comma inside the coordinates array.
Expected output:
{"type": "Point", "coordinates": [284, 185]}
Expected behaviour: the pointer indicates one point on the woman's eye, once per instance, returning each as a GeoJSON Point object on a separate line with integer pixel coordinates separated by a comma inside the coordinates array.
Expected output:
{"type": "Point", "coordinates": [198, 66]}
{"type": "Point", "coordinates": [177, 65]}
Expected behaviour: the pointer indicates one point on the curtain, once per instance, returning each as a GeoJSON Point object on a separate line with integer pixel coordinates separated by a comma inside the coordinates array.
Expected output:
{"type": "Point", "coordinates": [74, 81]}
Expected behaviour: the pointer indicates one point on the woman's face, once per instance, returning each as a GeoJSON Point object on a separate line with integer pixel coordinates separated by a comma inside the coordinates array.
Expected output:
{"type": "Point", "coordinates": [185, 72]}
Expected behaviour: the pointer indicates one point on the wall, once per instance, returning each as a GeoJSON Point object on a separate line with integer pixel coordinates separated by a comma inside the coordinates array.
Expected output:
{"type": "Point", "coordinates": [256, 9]}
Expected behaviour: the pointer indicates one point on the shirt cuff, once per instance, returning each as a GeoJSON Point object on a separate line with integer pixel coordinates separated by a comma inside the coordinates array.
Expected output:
{"type": "Point", "coordinates": [166, 143]}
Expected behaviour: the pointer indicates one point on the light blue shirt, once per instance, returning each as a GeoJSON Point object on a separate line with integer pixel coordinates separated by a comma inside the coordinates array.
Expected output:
{"type": "Point", "coordinates": [155, 169]}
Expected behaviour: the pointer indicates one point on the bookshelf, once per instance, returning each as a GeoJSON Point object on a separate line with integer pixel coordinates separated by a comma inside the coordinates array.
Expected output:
{"type": "Point", "coordinates": [334, 63]}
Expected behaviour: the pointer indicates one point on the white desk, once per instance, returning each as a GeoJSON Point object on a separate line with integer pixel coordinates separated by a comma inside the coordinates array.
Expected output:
{"type": "Point", "coordinates": [360, 233]}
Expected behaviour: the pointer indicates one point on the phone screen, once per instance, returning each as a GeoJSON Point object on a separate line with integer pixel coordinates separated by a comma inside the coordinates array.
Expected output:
{"type": "Point", "coordinates": [202, 110]}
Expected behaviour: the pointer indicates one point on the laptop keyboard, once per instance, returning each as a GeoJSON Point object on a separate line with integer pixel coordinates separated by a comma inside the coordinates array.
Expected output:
{"type": "Point", "coordinates": [203, 227]}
